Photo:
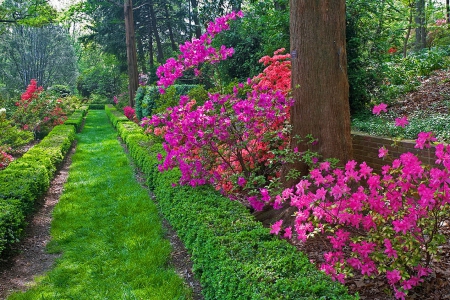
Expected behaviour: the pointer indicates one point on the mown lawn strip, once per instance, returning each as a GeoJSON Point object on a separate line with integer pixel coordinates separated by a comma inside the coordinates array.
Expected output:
{"type": "Point", "coordinates": [107, 229]}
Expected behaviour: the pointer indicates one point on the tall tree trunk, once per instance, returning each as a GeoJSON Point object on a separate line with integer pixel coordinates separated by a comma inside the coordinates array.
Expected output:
{"type": "Point", "coordinates": [447, 5]}
{"type": "Point", "coordinates": [131, 51]}
{"type": "Point", "coordinates": [421, 33]}
{"type": "Point", "coordinates": [141, 55]}
{"type": "Point", "coordinates": [159, 50]}
{"type": "Point", "coordinates": [408, 32]}
{"type": "Point", "coordinates": [169, 26]}
{"type": "Point", "coordinates": [319, 78]}
{"type": "Point", "coordinates": [198, 29]}
{"type": "Point", "coordinates": [151, 53]}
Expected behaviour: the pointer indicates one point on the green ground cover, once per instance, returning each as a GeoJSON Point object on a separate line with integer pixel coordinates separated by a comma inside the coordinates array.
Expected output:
{"type": "Point", "coordinates": [107, 229]}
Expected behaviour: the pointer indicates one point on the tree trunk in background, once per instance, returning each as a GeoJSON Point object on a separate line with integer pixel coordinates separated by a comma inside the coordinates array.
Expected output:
{"type": "Point", "coordinates": [198, 29]}
{"type": "Point", "coordinates": [319, 78]}
{"type": "Point", "coordinates": [159, 50]}
{"type": "Point", "coordinates": [141, 55]}
{"type": "Point", "coordinates": [421, 32]}
{"type": "Point", "coordinates": [131, 51]}
{"type": "Point", "coordinates": [447, 5]}
{"type": "Point", "coordinates": [169, 27]}
{"type": "Point", "coordinates": [408, 32]}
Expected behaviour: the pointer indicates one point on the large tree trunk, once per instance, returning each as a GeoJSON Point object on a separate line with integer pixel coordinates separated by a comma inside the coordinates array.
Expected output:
{"type": "Point", "coordinates": [319, 78]}
{"type": "Point", "coordinates": [320, 87]}
{"type": "Point", "coordinates": [131, 51]}
{"type": "Point", "coordinates": [421, 32]}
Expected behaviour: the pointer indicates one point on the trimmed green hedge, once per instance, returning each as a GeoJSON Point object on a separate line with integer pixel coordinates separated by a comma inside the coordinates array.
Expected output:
{"type": "Point", "coordinates": [234, 256]}
{"type": "Point", "coordinates": [76, 119]}
{"type": "Point", "coordinates": [148, 98]}
{"type": "Point", "coordinates": [26, 179]}
{"type": "Point", "coordinates": [96, 106]}
{"type": "Point", "coordinates": [114, 115]}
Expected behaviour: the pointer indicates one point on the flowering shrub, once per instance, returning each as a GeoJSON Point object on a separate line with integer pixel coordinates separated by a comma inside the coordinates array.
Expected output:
{"type": "Point", "coordinates": [37, 111]}
{"type": "Point", "coordinates": [390, 222]}
{"type": "Point", "coordinates": [129, 113]}
{"type": "Point", "coordinates": [196, 52]}
{"type": "Point", "coordinates": [236, 142]}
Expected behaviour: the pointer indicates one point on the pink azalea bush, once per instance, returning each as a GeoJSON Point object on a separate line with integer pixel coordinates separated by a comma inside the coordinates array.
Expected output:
{"type": "Point", "coordinates": [236, 142]}
{"type": "Point", "coordinates": [390, 222]}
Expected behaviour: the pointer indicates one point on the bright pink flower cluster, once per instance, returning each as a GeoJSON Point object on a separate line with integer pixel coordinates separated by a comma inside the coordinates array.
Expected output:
{"type": "Point", "coordinates": [390, 222]}
{"type": "Point", "coordinates": [381, 218]}
{"type": "Point", "coordinates": [129, 112]}
{"type": "Point", "coordinates": [196, 52]}
{"type": "Point", "coordinates": [227, 141]}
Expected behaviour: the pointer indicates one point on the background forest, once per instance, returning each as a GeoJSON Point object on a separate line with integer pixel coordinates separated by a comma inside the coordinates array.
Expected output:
{"type": "Point", "coordinates": [83, 47]}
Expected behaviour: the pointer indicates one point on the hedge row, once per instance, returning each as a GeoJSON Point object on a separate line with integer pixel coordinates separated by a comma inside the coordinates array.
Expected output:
{"type": "Point", "coordinates": [118, 116]}
{"type": "Point", "coordinates": [26, 179]}
{"type": "Point", "coordinates": [234, 256]}
{"type": "Point", "coordinates": [76, 119]}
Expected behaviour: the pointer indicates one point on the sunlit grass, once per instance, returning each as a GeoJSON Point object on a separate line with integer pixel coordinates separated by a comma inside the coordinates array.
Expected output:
{"type": "Point", "coordinates": [107, 229]}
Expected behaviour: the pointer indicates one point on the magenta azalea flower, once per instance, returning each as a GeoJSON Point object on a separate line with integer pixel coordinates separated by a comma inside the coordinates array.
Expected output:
{"type": "Point", "coordinates": [377, 109]}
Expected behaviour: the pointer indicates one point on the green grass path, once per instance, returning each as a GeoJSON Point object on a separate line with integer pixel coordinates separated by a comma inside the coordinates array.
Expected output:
{"type": "Point", "coordinates": [107, 229]}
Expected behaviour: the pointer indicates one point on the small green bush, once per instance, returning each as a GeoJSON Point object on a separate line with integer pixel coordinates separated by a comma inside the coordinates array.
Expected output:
{"type": "Point", "coordinates": [26, 179]}
{"type": "Point", "coordinates": [11, 221]}
{"type": "Point", "coordinates": [96, 106]}
{"type": "Point", "coordinates": [149, 100]}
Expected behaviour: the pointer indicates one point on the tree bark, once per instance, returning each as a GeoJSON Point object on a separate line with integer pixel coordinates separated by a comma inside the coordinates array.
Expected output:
{"type": "Point", "coordinates": [408, 32]}
{"type": "Point", "coordinates": [319, 78]}
{"type": "Point", "coordinates": [421, 33]}
{"type": "Point", "coordinates": [447, 5]}
{"type": "Point", "coordinates": [169, 27]}
{"type": "Point", "coordinates": [198, 30]}
{"type": "Point", "coordinates": [131, 51]}
{"type": "Point", "coordinates": [159, 50]}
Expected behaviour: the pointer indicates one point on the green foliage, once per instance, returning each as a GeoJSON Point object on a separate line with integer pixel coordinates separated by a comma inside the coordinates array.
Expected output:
{"type": "Point", "coordinates": [439, 124]}
{"type": "Point", "coordinates": [12, 137]}
{"type": "Point", "coordinates": [11, 222]}
{"type": "Point", "coordinates": [401, 75]}
{"type": "Point", "coordinates": [77, 118]}
{"type": "Point", "coordinates": [233, 255]}
{"type": "Point", "coordinates": [264, 29]}
{"type": "Point", "coordinates": [100, 76]}
{"type": "Point", "coordinates": [27, 178]}
{"type": "Point", "coordinates": [149, 101]}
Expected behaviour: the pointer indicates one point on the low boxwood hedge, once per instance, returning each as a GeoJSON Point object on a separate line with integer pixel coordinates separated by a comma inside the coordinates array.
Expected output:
{"type": "Point", "coordinates": [234, 256]}
{"type": "Point", "coordinates": [26, 179]}
{"type": "Point", "coordinates": [76, 119]}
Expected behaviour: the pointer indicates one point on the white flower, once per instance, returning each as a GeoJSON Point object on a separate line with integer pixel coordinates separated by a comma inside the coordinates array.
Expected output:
{"type": "Point", "coordinates": [2, 111]}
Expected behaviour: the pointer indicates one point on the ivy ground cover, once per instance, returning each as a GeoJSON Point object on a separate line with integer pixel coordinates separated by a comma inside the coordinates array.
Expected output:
{"type": "Point", "coordinates": [107, 229]}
